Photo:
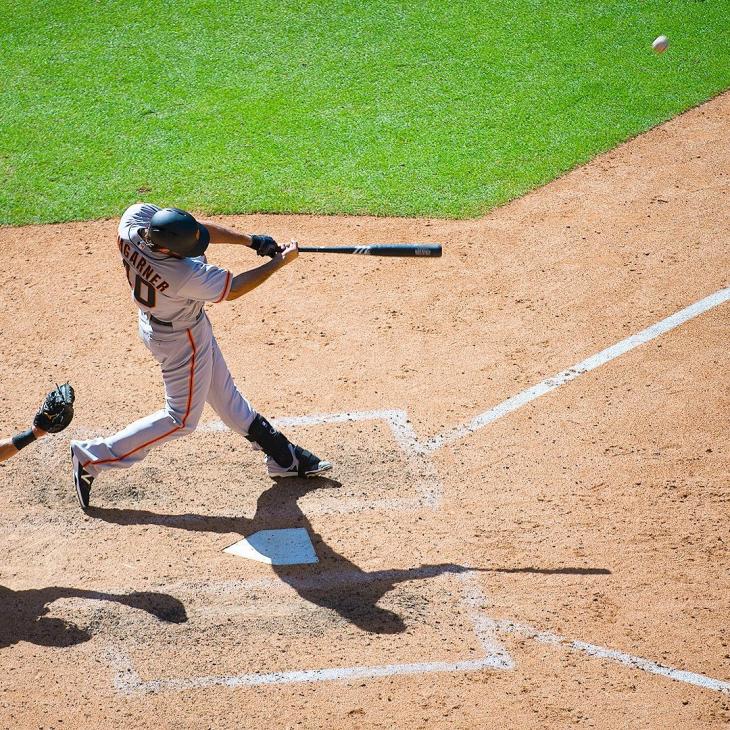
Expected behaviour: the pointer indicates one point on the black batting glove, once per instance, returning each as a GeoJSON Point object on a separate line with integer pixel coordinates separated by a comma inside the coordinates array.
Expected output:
{"type": "Point", "coordinates": [265, 246]}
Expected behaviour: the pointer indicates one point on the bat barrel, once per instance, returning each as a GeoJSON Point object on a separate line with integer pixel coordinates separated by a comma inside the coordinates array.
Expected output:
{"type": "Point", "coordinates": [428, 250]}
{"type": "Point", "coordinates": [420, 250]}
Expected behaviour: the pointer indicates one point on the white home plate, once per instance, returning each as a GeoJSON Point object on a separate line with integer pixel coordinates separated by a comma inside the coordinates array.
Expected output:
{"type": "Point", "coordinates": [277, 547]}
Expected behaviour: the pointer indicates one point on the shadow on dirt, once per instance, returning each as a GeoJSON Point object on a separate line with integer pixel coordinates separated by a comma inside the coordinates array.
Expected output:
{"type": "Point", "coordinates": [23, 614]}
{"type": "Point", "coordinates": [335, 583]}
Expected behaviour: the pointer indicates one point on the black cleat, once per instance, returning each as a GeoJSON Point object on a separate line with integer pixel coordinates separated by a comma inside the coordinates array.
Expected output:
{"type": "Point", "coordinates": [305, 464]}
{"type": "Point", "coordinates": [82, 481]}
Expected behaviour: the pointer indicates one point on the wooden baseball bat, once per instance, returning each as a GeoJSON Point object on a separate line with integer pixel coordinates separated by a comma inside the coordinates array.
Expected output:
{"type": "Point", "coordinates": [425, 250]}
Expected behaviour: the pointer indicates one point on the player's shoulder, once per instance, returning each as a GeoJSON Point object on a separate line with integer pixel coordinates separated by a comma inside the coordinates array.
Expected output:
{"type": "Point", "coordinates": [198, 269]}
{"type": "Point", "coordinates": [137, 215]}
{"type": "Point", "coordinates": [195, 263]}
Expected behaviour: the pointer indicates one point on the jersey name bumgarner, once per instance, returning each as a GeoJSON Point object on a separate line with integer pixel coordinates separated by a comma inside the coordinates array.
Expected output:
{"type": "Point", "coordinates": [133, 258]}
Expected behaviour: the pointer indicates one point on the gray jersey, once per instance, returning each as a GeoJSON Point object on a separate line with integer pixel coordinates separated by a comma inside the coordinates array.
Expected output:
{"type": "Point", "coordinates": [170, 289]}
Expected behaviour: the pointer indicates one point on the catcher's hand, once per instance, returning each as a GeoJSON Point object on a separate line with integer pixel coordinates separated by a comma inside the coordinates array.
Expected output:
{"type": "Point", "coordinates": [57, 409]}
{"type": "Point", "coordinates": [265, 245]}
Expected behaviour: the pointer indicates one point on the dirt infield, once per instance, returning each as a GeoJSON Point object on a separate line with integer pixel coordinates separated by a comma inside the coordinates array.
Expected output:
{"type": "Point", "coordinates": [559, 559]}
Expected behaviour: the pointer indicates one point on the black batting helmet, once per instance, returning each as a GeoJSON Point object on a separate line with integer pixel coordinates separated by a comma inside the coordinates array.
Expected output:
{"type": "Point", "coordinates": [179, 232]}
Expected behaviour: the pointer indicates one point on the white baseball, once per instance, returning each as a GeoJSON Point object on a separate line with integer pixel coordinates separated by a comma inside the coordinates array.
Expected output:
{"type": "Point", "coordinates": [660, 44]}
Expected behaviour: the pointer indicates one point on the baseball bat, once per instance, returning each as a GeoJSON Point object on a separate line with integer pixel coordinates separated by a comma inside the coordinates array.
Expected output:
{"type": "Point", "coordinates": [426, 250]}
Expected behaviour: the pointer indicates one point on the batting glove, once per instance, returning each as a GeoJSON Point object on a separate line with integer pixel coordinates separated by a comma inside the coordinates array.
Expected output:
{"type": "Point", "coordinates": [265, 246]}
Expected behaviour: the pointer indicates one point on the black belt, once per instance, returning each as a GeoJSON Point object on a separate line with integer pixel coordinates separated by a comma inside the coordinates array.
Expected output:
{"type": "Point", "coordinates": [169, 324]}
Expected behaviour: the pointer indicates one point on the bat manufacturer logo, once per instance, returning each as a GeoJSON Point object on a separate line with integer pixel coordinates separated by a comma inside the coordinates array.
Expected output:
{"type": "Point", "coordinates": [422, 252]}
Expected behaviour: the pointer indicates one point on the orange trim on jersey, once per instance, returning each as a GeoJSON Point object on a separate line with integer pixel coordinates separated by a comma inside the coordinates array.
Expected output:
{"type": "Point", "coordinates": [225, 288]}
{"type": "Point", "coordinates": [191, 382]}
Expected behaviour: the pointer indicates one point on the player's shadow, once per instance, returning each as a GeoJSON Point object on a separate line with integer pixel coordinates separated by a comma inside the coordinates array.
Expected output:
{"type": "Point", "coordinates": [23, 613]}
{"type": "Point", "coordinates": [335, 582]}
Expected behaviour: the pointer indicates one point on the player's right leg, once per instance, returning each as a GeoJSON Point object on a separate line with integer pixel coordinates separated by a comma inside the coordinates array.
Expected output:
{"type": "Point", "coordinates": [283, 459]}
{"type": "Point", "coordinates": [186, 363]}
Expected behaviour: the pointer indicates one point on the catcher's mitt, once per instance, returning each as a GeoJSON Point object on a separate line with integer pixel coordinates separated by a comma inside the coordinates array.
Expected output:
{"type": "Point", "coordinates": [57, 409]}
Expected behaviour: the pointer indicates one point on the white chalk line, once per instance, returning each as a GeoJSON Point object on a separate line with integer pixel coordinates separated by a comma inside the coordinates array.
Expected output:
{"type": "Point", "coordinates": [429, 486]}
{"type": "Point", "coordinates": [487, 631]}
{"type": "Point", "coordinates": [620, 657]}
{"type": "Point", "coordinates": [420, 468]}
{"type": "Point", "coordinates": [127, 680]}
{"type": "Point", "coordinates": [485, 628]}
{"type": "Point", "coordinates": [591, 363]}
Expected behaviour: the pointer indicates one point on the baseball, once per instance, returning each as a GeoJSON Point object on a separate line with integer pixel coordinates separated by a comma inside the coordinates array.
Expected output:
{"type": "Point", "coordinates": [660, 44]}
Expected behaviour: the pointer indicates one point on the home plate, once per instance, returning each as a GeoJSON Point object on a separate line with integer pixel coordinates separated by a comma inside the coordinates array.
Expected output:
{"type": "Point", "coordinates": [292, 546]}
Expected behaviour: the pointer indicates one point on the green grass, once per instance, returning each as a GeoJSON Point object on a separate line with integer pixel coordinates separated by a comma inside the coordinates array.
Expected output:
{"type": "Point", "coordinates": [423, 107]}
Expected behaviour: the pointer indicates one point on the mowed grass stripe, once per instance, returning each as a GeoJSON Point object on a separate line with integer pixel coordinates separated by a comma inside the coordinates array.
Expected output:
{"type": "Point", "coordinates": [419, 108]}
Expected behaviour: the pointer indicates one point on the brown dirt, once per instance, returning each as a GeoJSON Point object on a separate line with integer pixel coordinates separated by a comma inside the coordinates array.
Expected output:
{"type": "Point", "coordinates": [622, 473]}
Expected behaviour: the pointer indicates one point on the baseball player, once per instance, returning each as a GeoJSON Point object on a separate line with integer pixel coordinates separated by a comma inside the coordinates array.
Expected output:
{"type": "Point", "coordinates": [54, 415]}
{"type": "Point", "coordinates": [162, 250]}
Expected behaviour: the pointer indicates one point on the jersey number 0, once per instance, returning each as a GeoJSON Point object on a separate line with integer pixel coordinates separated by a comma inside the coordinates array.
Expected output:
{"type": "Point", "coordinates": [144, 292]}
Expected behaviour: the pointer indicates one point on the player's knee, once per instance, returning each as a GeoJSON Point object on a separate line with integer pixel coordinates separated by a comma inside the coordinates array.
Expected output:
{"type": "Point", "coordinates": [187, 427]}
{"type": "Point", "coordinates": [182, 424]}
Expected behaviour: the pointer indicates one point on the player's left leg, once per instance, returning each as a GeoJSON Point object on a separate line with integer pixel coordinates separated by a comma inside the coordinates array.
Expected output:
{"type": "Point", "coordinates": [282, 457]}
{"type": "Point", "coordinates": [186, 362]}
{"type": "Point", "coordinates": [225, 398]}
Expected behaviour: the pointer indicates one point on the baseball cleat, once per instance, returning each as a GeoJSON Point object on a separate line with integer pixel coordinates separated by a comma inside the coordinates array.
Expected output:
{"type": "Point", "coordinates": [82, 481]}
{"type": "Point", "coordinates": [305, 464]}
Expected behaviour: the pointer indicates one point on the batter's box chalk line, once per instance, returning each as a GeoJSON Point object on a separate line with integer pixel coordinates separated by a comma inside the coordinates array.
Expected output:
{"type": "Point", "coordinates": [495, 656]}
{"type": "Point", "coordinates": [487, 631]}
{"type": "Point", "coordinates": [420, 470]}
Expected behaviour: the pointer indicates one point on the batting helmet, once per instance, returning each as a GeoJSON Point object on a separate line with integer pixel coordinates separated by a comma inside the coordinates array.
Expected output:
{"type": "Point", "coordinates": [179, 232]}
